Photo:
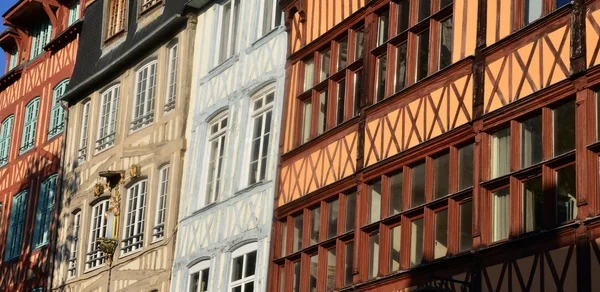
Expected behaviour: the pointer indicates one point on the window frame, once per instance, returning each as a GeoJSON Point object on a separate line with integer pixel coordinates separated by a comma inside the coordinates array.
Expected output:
{"type": "Point", "coordinates": [75, 232]}
{"type": "Point", "coordinates": [47, 194]}
{"type": "Point", "coordinates": [132, 239]}
{"type": "Point", "coordinates": [220, 137]}
{"type": "Point", "coordinates": [276, 18]}
{"type": "Point", "coordinates": [6, 130]}
{"type": "Point", "coordinates": [200, 267]}
{"type": "Point", "coordinates": [41, 34]}
{"type": "Point", "coordinates": [231, 40]}
{"type": "Point", "coordinates": [85, 132]}
{"type": "Point", "coordinates": [107, 140]}
{"type": "Point", "coordinates": [266, 108]}
{"type": "Point", "coordinates": [243, 251]}
{"type": "Point", "coordinates": [16, 224]}
{"type": "Point", "coordinates": [116, 18]}
{"type": "Point", "coordinates": [57, 116]}
{"type": "Point", "coordinates": [142, 112]}
{"type": "Point", "coordinates": [74, 12]}
{"type": "Point", "coordinates": [158, 232]}
{"type": "Point", "coordinates": [30, 121]}
{"type": "Point", "coordinates": [172, 77]}
{"type": "Point", "coordinates": [95, 258]}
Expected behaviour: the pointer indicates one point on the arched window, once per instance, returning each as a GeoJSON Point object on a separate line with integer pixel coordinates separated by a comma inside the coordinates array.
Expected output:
{"type": "Point", "coordinates": [41, 234]}
{"type": "Point", "coordinates": [16, 225]}
{"type": "Point", "coordinates": [109, 103]}
{"type": "Point", "coordinates": [161, 204]}
{"type": "Point", "coordinates": [57, 116]}
{"type": "Point", "coordinates": [133, 236]}
{"type": "Point", "coordinates": [83, 140]}
{"type": "Point", "coordinates": [199, 277]}
{"type": "Point", "coordinates": [72, 268]}
{"type": "Point", "coordinates": [5, 135]}
{"type": "Point", "coordinates": [40, 37]}
{"type": "Point", "coordinates": [29, 125]}
{"type": "Point", "coordinates": [243, 268]}
{"type": "Point", "coordinates": [145, 90]}
{"type": "Point", "coordinates": [172, 78]}
{"type": "Point", "coordinates": [262, 117]}
{"type": "Point", "coordinates": [217, 132]}
{"type": "Point", "coordinates": [95, 258]}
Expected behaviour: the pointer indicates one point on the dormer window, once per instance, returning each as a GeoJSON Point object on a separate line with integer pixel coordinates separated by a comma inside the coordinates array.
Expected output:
{"type": "Point", "coordinates": [116, 17]}
{"type": "Point", "coordinates": [40, 37]}
{"type": "Point", "coordinates": [14, 59]}
{"type": "Point", "coordinates": [73, 12]}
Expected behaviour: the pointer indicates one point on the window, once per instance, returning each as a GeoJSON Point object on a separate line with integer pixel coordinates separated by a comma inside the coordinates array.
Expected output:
{"type": "Point", "coordinates": [500, 214]}
{"type": "Point", "coordinates": [297, 236]}
{"type": "Point", "coordinates": [331, 266]}
{"type": "Point", "coordinates": [73, 12]}
{"type": "Point", "coordinates": [332, 218]}
{"type": "Point", "coordinates": [262, 115]}
{"type": "Point", "coordinates": [147, 4]}
{"type": "Point", "coordinates": [72, 267]}
{"type": "Point", "coordinates": [349, 263]}
{"type": "Point", "coordinates": [417, 185]}
{"type": "Point", "coordinates": [416, 242]}
{"type": "Point", "coordinates": [465, 167]}
{"type": "Point", "coordinates": [41, 35]}
{"type": "Point", "coordinates": [133, 235]}
{"type": "Point", "coordinates": [29, 125]}
{"type": "Point", "coordinates": [500, 153]}
{"type": "Point", "coordinates": [297, 275]}
{"type": "Point", "coordinates": [5, 137]}
{"type": "Point", "coordinates": [440, 244]}
{"type": "Point", "coordinates": [531, 137]}
{"type": "Point", "coordinates": [94, 257]}
{"type": "Point", "coordinates": [375, 202]}
{"type": "Point", "coordinates": [199, 277]}
{"type": "Point", "coordinates": [373, 255]}
{"type": "Point", "coordinates": [396, 185]}
{"type": "Point", "coordinates": [315, 226]}
{"type": "Point", "coordinates": [563, 124]}
{"type": "Point", "coordinates": [14, 59]}
{"type": "Point", "coordinates": [15, 227]}
{"type": "Point", "coordinates": [533, 205]}
{"type": "Point", "coordinates": [228, 29]}
{"type": "Point", "coordinates": [161, 204]}
{"type": "Point", "coordinates": [117, 15]}
{"type": "Point", "coordinates": [83, 139]}
{"type": "Point", "coordinates": [172, 78]}
{"type": "Point", "coordinates": [394, 246]}
{"type": "Point", "coordinates": [216, 152]}
{"type": "Point", "coordinates": [45, 206]}
{"type": "Point", "coordinates": [441, 179]}
{"type": "Point", "coordinates": [109, 103]}
{"type": "Point", "coordinates": [531, 10]}
{"type": "Point", "coordinates": [314, 273]}
{"type": "Point", "coordinates": [57, 116]}
{"type": "Point", "coordinates": [271, 16]}
{"type": "Point", "coordinates": [143, 110]}
{"type": "Point", "coordinates": [243, 268]}
{"type": "Point", "coordinates": [466, 226]}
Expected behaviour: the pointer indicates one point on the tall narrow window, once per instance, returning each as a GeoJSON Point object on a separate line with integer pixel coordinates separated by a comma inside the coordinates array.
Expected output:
{"type": "Point", "coordinates": [342, 54]}
{"type": "Point", "coordinates": [199, 277]}
{"type": "Point", "coordinates": [375, 202]}
{"type": "Point", "coordinates": [533, 205]}
{"type": "Point", "coordinates": [14, 59]}
{"type": "Point", "coordinates": [72, 268]}
{"type": "Point", "coordinates": [271, 16]}
{"type": "Point", "coordinates": [216, 145]}
{"type": "Point", "coordinates": [94, 257]}
{"type": "Point", "coordinates": [424, 9]}
{"type": "Point", "coordinates": [108, 118]}
{"type": "Point", "coordinates": [45, 206]}
{"type": "Point", "coordinates": [228, 29]}
{"type": "Point", "coordinates": [325, 64]}
{"type": "Point", "coordinates": [381, 77]}
{"type": "Point", "coordinates": [41, 35]}
{"type": "Point", "coordinates": [394, 246]}
{"type": "Point", "coordinates": [402, 15]}
{"type": "Point", "coordinates": [564, 128]}
{"type": "Point", "coordinates": [331, 267]}
{"type": "Point", "coordinates": [440, 244]}
{"type": "Point", "coordinates": [500, 153]}
{"type": "Point", "coordinates": [422, 53]}
{"type": "Point", "coordinates": [400, 67]}
{"type": "Point", "coordinates": [445, 58]}
{"type": "Point", "coordinates": [533, 10]}
{"type": "Point", "coordinates": [145, 90]}
{"type": "Point", "coordinates": [57, 116]}
{"type": "Point", "coordinates": [116, 17]}
{"type": "Point", "coordinates": [133, 236]}
{"type": "Point", "coordinates": [83, 139]}
{"type": "Point", "coordinates": [383, 27]}
{"type": "Point", "coordinates": [314, 272]}
{"type": "Point", "coordinates": [30, 125]}
{"type": "Point", "coordinates": [15, 226]}
{"type": "Point", "coordinates": [566, 193]}
{"type": "Point", "coordinates": [359, 45]}
{"type": "Point", "coordinates": [243, 268]}
{"type": "Point", "coordinates": [309, 74]}
{"type": "Point", "coordinates": [417, 185]}
{"type": "Point", "coordinates": [332, 218]}
{"type": "Point", "coordinates": [396, 184]}
{"type": "Point", "coordinates": [500, 214]}
{"type": "Point", "coordinates": [262, 116]}
{"type": "Point", "coordinates": [341, 102]}
{"type": "Point", "coordinates": [322, 113]}
{"type": "Point", "coordinates": [358, 79]}
{"type": "Point", "coordinates": [297, 236]}
{"type": "Point", "coordinates": [73, 12]}
{"type": "Point", "coordinates": [465, 241]}
{"type": "Point", "coordinates": [350, 220]}
{"type": "Point", "coordinates": [416, 241]}
{"type": "Point", "coordinates": [465, 167]}
{"type": "Point", "coordinates": [373, 255]}
{"type": "Point", "coordinates": [161, 204]}
{"type": "Point", "coordinates": [348, 263]}
{"type": "Point", "coordinates": [315, 225]}
{"type": "Point", "coordinates": [441, 176]}
{"type": "Point", "coordinates": [5, 137]}
{"type": "Point", "coordinates": [172, 78]}
{"type": "Point", "coordinates": [306, 120]}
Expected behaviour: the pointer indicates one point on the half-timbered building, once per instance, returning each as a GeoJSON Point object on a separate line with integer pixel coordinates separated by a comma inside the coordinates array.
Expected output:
{"type": "Point", "coordinates": [127, 105]}
{"type": "Point", "coordinates": [228, 185]}
{"type": "Point", "coordinates": [40, 44]}
{"type": "Point", "coordinates": [439, 145]}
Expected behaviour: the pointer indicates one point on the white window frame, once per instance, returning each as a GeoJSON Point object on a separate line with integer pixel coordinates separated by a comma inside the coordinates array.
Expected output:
{"type": "Point", "coordinates": [161, 203]}
{"type": "Point", "coordinates": [72, 266]}
{"type": "Point", "coordinates": [14, 59]}
{"type": "Point", "coordinates": [239, 252]}
{"type": "Point", "coordinates": [45, 207]}
{"type": "Point", "coordinates": [276, 13]}
{"type": "Point", "coordinates": [214, 184]}
{"type": "Point", "coordinates": [73, 12]}
{"type": "Point", "coordinates": [98, 228]}
{"type": "Point", "coordinates": [84, 135]}
{"type": "Point", "coordinates": [107, 118]}
{"type": "Point", "coordinates": [30, 120]}
{"type": "Point", "coordinates": [229, 38]}
{"type": "Point", "coordinates": [133, 233]}
{"type": "Point", "coordinates": [40, 36]}
{"type": "Point", "coordinates": [145, 91]}
{"type": "Point", "coordinates": [260, 113]}
{"type": "Point", "coordinates": [57, 117]}
{"type": "Point", "coordinates": [5, 136]}
{"type": "Point", "coordinates": [201, 267]}
{"type": "Point", "coordinates": [172, 74]}
{"type": "Point", "coordinates": [16, 226]}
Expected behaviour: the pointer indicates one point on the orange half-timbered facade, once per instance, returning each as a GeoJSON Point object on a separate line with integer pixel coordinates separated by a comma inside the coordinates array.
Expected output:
{"type": "Point", "coordinates": [40, 44]}
{"type": "Point", "coordinates": [445, 144]}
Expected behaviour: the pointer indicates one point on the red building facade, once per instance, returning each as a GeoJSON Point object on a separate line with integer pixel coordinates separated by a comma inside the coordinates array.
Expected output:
{"type": "Point", "coordinates": [40, 44]}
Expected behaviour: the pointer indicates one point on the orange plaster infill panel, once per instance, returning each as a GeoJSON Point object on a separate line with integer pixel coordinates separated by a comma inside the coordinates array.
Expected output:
{"type": "Point", "coordinates": [465, 29]}
{"type": "Point", "coordinates": [291, 126]}
{"type": "Point", "coordinates": [592, 30]}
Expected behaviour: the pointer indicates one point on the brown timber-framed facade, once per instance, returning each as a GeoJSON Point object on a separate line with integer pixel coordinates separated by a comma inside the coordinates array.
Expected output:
{"type": "Point", "coordinates": [474, 162]}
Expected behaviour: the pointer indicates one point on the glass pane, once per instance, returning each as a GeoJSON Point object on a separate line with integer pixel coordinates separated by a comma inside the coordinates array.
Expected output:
{"type": "Point", "coordinates": [375, 202]}
{"type": "Point", "coordinates": [342, 54]}
{"type": "Point", "coordinates": [564, 128]}
{"type": "Point", "coordinates": [396, 182]}
{"type": "Point", "coordinates": [394, 255]}
{"type": "Point", "coordinates": [566, 190]}
{"type": "Point", "coordinates": [441, 176]}
{"type": "Point", "coordinates": [373, 255]}
{"type": "Point", "coordinates": [357, 91]}
{"type": "Point", "coordinates": [250, 264]}
{"type": "Point", "coordinates": [465, 167]}
{"type": "Point", "coordinates": [350, 212]}
{"type": "Point", "coordinates": [330, 285]}
{"type": "Point", "coordinates": [325, 64]}
{"type": "Point", "coordinates": [306, 121]}
{"type": "Point", "coordinates": [348, 263]}
{"type": "Point", "coordinates": [422, 54]}
{"type": "Point", "coordinates": [322, 112]}
{"type": "Point", "coordinates": [314, 270]}
{"type": "Point", "coordinates": [533, 205]}
{"type": "Point", "coordinates": [236, 270]}
{"type": "Point", "coordinates": [204, 281]}
{"type": "Point", "coordinates": [381, 77]}
{"type": "Point", "coordinates": [400, 67]}
{"type": "Point", "coordinates": [417, 185]}
{"type": "Point", "coordinates": [500, 214]}
{"type": "Point", "coordinates": [383, 27]}
{"type": "Point", "coordinates": [315, 225]}
{"type": "Point", "coordinates": [466, 226]}
{"type": "Point", "coordinates": [500, 153]}
{"type": "Point", "coordinates": [296, 286]}
{"type": "Point", "coordinates": [297, 241]}
{"type": "Point", "coordinates": [445, 43]}
{"type": "Point", "coordinates": [444, 3]}
{"type": "Point", "coordinates": [309, 74]}
{"type": "Point", "coordinates": [416, 242]}
{"type": "Point", "coordinates": [283, 238]}
{"type": "Point", "coordinates": [424, 9]}
{"type": "Point", "coordinates": [359, 47]}
{"type": "Point", "coordinates": [281, 278]}
{"type": "Point", "coordinates": [194, 280]}
{"type": "Point", "coordinates": [332, 221]}
{"type": "Point", "coordinates": [403, 17]}
{"type": "Point", "coordinates": [533, 10]}
{"type": "Point", "coordinates": [440, 245]}
{"type": "Point", "coordinates": [341, 101]}
{"type": "Point", "coordinates": [249, 287]}
{"type": "Point", "coordinates": [531, 141]}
